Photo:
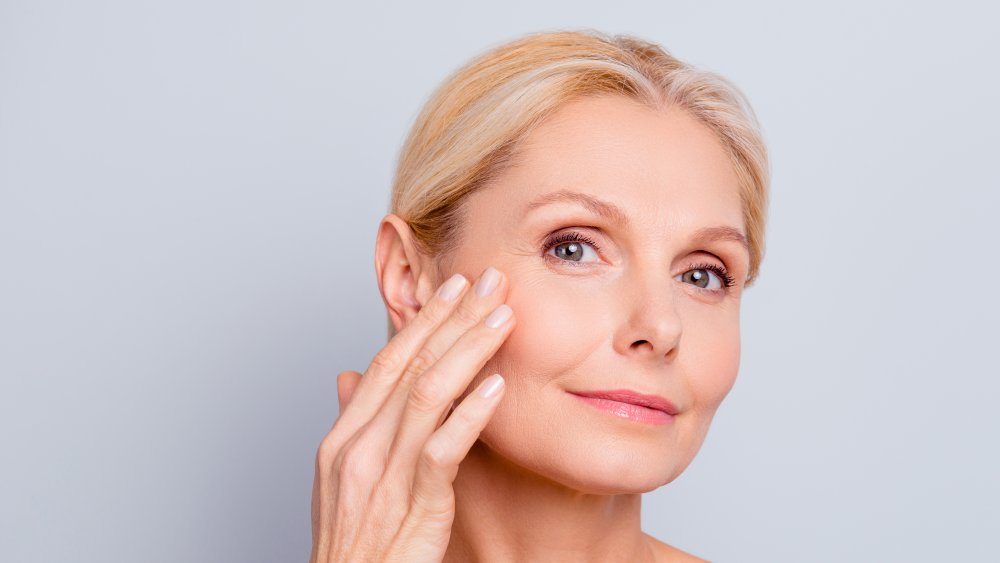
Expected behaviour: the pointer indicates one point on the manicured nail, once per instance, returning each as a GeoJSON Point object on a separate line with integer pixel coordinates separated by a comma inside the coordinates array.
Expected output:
{"type": "Point", "coordinates": [499, 316]}
{"type": "Point", "coordinates": [487, 282]}
{"type": "Point", "coordinates": [491, 386]}
{"type": "Point", "coordinates": [451, 288]}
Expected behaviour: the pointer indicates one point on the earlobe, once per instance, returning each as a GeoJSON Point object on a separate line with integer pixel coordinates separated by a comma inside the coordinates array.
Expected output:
{"type": "Point", "coordinates": [398, 269]}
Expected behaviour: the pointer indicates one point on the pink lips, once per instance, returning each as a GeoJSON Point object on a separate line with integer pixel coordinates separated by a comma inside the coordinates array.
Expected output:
{"type": "Point", "coordinates": [651, 409]}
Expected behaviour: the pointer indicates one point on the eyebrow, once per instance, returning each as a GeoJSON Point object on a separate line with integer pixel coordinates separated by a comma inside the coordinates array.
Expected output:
{"type": "Point", "coordinates": [614, 213]}
{"type": "Point", "coordinates": [599, 207]}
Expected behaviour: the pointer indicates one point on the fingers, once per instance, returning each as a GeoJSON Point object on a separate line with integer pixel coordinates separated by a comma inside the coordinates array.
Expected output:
{"type": "Point", "coordinates": [392, 360]}
{"type": "Point", "coordinates": [489, 291]}
{"type": "Point", "coordinates": [431, 395]}
{"type": "Point", "coordinates": [401, 403]}
{"type": "Point", "coordinates": [447, 447]}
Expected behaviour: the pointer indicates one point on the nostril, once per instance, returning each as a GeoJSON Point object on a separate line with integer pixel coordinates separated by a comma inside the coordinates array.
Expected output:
{"type": "Point", "coordinates": [639, 343]}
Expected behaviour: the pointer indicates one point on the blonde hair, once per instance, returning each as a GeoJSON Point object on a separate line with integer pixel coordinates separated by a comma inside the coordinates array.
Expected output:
{"type": "Point", "coordinates": [468, 131]}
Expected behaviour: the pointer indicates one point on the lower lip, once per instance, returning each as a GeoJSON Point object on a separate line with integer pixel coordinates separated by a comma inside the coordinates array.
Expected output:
{"type": "Point", "coordinates": [628, 411]}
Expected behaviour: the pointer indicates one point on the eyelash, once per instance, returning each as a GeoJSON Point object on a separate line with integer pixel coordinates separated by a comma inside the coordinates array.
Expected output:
{"type": "Point", "coordinates": [727, 279]}
{"type": "Point", "coordinates": [571, 236]}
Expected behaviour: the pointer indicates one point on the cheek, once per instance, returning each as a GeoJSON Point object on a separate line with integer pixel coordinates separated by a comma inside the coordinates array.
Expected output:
{"type": "Point", "coordinates": [556, 333]}
{"type": "Point", "coordinates": [557, 329]}
{"type": "Point", "coordinates": [712, 358]}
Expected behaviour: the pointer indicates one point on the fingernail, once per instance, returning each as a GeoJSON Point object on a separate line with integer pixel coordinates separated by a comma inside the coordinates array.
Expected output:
{"type": "Point", "coordinates": [451, 288]}
{"type": "Point", "coordinates": [487, 282]}
{"type": "Point", "coordinates": [499, 316]}
{"type": "Point", "coordinates": [491, 386]}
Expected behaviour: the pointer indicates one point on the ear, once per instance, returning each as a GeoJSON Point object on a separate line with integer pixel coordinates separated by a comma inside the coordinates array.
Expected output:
{"type": "Point", "coordinates": [403, 278]}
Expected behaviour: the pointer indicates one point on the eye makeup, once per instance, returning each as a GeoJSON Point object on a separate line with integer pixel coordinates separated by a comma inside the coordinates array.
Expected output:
{"type": "Point", "coordinates": [568, 236]}
{"type": "Point", "coordinates": [563, 237]}
{"type": "Point", "coordinates": [727, 279]}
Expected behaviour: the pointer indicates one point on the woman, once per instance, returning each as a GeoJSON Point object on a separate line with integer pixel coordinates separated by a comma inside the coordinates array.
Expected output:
{"type": "Point", "coordinates": [574, 219]}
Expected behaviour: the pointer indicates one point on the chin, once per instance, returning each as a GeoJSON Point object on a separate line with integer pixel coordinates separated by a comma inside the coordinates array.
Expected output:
{"type": "Point", "coordinates": [601, 463]}
{"type": "Point", "coordinates": [615, 478]}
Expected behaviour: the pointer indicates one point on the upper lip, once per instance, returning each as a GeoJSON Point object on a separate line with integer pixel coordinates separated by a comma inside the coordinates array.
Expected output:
{"type": "Point", "coordinates": [628, 396]}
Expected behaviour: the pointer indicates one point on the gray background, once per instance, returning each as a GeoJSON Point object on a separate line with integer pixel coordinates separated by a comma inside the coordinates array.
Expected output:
{"type": "Point", "coordinates": [189, 193]}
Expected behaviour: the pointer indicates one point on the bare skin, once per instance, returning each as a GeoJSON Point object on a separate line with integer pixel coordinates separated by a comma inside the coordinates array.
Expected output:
{"type": "Point", "coordinates": [636, 299]}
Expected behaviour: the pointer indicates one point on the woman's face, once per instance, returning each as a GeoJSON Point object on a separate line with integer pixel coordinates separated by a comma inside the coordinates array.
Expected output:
{"type": "Point", "coordinates": [627, 297]}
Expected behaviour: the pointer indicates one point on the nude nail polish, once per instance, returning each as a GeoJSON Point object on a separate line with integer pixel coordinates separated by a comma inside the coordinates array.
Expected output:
{"type": "Point", "coordinates": [487, 282]}
{"type": "Point", "coordinates": [491, 386]}
{"type": "Point", "coordinates": [451, 288]}
{"type": "Point", "coordinates": [499, 316]}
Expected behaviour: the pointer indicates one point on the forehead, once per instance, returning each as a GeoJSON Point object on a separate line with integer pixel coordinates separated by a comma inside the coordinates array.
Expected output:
{"type": "Point", "coordinates": [662, 167]}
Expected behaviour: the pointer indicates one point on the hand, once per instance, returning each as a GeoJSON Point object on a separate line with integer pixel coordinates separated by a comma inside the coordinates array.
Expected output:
{"type": "Point", "coordinates": [384, 473]}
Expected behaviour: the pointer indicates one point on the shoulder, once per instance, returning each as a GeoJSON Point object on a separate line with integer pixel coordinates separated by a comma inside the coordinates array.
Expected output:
{"type": "Point", "coordinates": [669, 554]}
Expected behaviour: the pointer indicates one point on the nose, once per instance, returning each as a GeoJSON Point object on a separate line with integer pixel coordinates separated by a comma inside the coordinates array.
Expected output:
{"type": "Point", "coordinates": [650, 325]}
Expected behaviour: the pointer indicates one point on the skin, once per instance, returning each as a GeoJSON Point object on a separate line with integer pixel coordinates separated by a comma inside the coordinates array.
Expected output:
{"type": "Point", "coordinates": [551, 478]}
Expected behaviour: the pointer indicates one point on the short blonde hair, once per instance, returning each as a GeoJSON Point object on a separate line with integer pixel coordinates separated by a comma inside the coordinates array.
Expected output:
{"type": "Point", "coordinates": [468, 131]}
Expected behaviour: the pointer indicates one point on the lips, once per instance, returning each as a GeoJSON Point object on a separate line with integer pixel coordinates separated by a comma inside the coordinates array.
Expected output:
{"type": "Point", "coordinates": [631, 397]}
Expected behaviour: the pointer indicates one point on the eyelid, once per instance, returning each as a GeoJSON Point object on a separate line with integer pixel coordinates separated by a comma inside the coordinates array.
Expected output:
{"type": "Point", "coordinates": [720, 271]}
{"type": "Point", "coordinates": [569, 234]}
{"type": "Point", "coordinates": [564, 236]}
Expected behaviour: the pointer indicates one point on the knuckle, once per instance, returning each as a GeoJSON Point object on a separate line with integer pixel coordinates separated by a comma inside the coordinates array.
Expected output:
{"type": "Point", "coordinates": [424, 359]}
{"type": "Point", "coordinates": [435, 312]}
{"type": "Point", "coordinates": [467, 315]}
{"type": "Point", "coordinates": [426, 393]}
{"type": "Point", "coordinates": [431, 512]}
{"type": "Point", "coordinates": [466, 418]}
{"type": "Point", "coordinates": [386, 361]}
{"type": "Point", "coordinates": [483, 342]}
{"type": "Point", "coordinates": [435, 455]}
{"type": "Point", "coordinates": [359, 464]}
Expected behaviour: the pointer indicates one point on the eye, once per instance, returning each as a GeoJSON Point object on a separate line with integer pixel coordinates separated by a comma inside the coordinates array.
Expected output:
{"type": "Point", "coordinates": [710, 277]}
{"type": "Point", "coordinates": [572, 247]}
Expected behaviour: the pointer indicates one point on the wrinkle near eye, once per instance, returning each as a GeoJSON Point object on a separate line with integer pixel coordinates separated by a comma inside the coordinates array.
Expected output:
{"type": "Point", "coordinates": [524, 246]}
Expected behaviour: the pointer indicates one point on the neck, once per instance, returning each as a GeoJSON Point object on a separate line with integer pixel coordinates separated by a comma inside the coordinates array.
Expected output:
{"type": "Point", "coordinates": [504, 512]}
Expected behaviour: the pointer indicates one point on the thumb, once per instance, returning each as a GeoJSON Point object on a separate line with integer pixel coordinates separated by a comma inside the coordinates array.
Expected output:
{"type": "Point", "coordinates": [347, 382]}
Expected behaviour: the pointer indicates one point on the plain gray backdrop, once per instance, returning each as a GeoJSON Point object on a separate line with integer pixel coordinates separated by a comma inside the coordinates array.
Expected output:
{"type": "Point", "coordinates": [189, 195]}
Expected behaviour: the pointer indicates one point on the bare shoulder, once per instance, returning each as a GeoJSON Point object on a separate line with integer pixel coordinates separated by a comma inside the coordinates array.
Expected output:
{"type": "Point", "coordinates": [667, 553]}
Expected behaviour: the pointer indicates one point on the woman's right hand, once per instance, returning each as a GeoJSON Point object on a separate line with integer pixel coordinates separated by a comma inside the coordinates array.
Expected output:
{"type": "Point", "coordinates": [383, 486]}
